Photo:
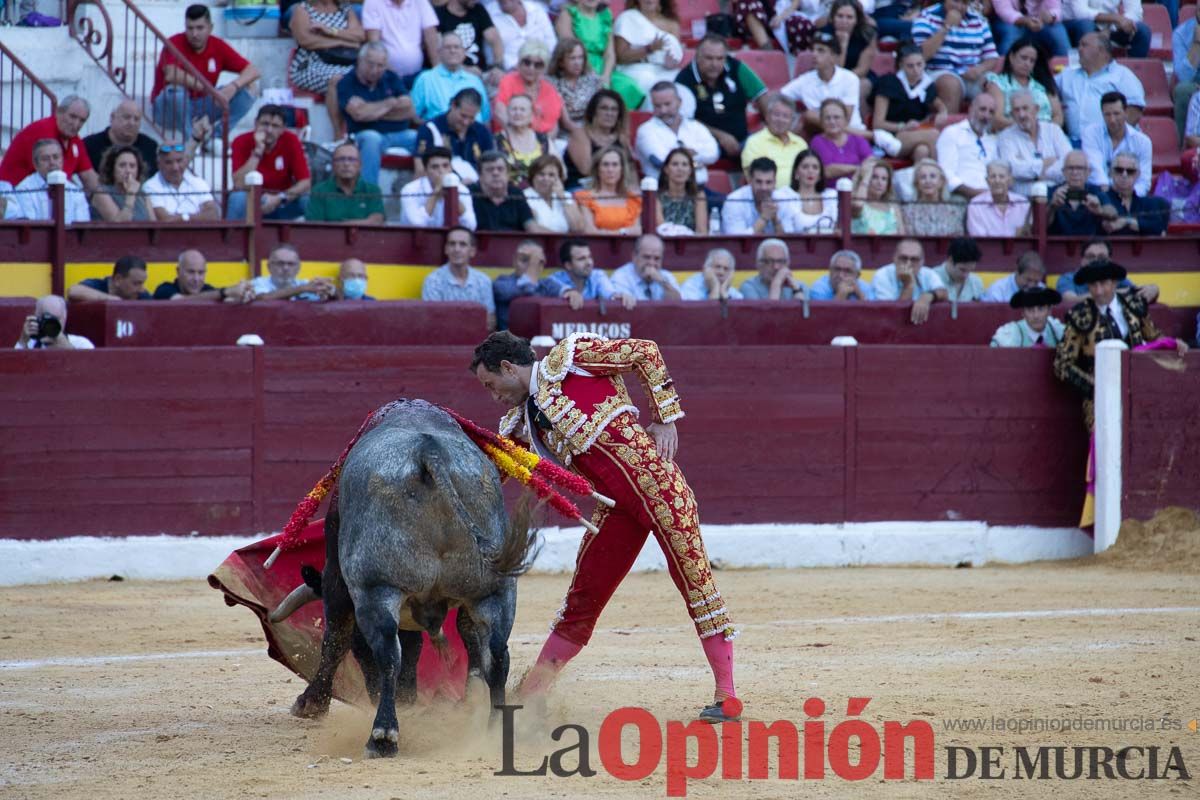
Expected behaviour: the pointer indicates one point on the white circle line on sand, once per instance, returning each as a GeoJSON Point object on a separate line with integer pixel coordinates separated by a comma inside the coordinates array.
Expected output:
{"type": "Point", "coordinates": [1054, 613]}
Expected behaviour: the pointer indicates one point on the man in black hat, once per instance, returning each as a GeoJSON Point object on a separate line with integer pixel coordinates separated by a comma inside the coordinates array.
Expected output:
{"type": "Point", "coordinates": [1105, 314]}
{"type": "Point", "coordinates": [1036, 328]}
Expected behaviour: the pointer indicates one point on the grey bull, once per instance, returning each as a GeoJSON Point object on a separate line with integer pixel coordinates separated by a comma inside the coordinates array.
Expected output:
{"type": "Point", "coordinates": [417, 526]}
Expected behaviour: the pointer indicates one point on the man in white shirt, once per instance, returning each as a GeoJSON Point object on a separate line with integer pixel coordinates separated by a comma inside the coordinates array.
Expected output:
{"type": "Point", "coordinates": [965, 148]}
{"type": "Point", "coordinates": [31, 198]}
{"type": "Point", "coordinates": [760, 208]}
{"type": "Point", "coordinates": [1036, 152]}
{"type": "Point", "coordinates": [422, 201]}
{"type": "Point", "coordinates": [907, 278]}
{"type": "Point", "coordinates": [39, 331]}
{"type": "Point", "coordinates": [175, 193]}
{"type": "Point", "coordinates": [520, 21]}
{"type": "Point", "coordinates": [826, 80]}
{"type": "Point", "coordinates": [668, 129]}
{"type": "Point", "coordinates": [644, 277]}
{"type": "Point", "coordinates": [1104, 141]}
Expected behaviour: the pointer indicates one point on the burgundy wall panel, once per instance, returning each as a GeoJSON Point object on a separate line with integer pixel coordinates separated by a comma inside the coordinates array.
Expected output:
{"type": "Point", "coordinates": [1163, 453]}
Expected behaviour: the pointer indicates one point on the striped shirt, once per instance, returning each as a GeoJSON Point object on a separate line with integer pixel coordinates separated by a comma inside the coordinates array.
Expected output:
{"type": "Point", "coordinates": [964, 46]}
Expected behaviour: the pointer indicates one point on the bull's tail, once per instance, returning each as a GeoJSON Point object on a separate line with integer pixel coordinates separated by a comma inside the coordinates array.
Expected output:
{"type": "Point", "coordinates": [519, 548]}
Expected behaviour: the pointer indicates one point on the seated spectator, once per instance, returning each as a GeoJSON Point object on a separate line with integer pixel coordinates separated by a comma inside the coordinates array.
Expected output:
{"type": "Point", "coordinates": [843, 281]}
{"type": "Point", "coordinates": [191, 270]}
{"type": "Point", "coordinates": [793, 23]}
{"type": "Point", "coordinates": [1075, 206]}
{"type": "Point", "coordinates": [965, 148]}
{"type": "Point", "coordinates": [826, 80]}
{"type": "Point", "coordinates": [529, 261]}
{"type": "Point", "coordinates": [1036, 21]}
{"type": "Point", "coordinates": [681, 206]}
{"type": "Point", "coordinates": [124, 130]}
{"type": "Point", "coordinates": [1026, 68]}
{"type": "Point", "coordinates": [31, 197]}
{"type": "Point", "coordinates": [518, 143]}
{"type": "Point", "coordinates": [521, 21]}
{"type": "Point", "coordinates": [930, 213]}
{"type": "Point", "coordinates": [906, 278]}
{"type": "Point", "coordinates": [855, 34]}
{"type": "Point", "coordinates": [579, 280]}
{"type": "Point", "coordinates": [1185, 49]}
{"type": "Point", "coordinates": [717, 90]}
{"type": "Point", "coordinates": [840, 150]}
{"type": "Point", "coordinates": [1001, 212]}
{"type": "Point", "coordinates": [573, 78]}
{"type": "Point", "coordinates": [408, 29]}
{"type": "Point", "coordinates": [127, 282]}
{"type": "Point", "coordinates": [120, 197]}
{"type": "Point", "coordinates": [774, 280]}
{"type": "Point", "coordinates": [776, 140]}
{"type": "Point", "coordinates": [500, 206]}
{"type": "Point", "coordinates": [957, 43]}
{"type": "Point", "coordinates": [1097, 74]}
{"type": "Point", "coordinates": [1098, 251]}
{"type": "Point", "coordinates": [715, 279]}
{"type": "Point", "coordinates": [179, 98]}
{"type": "Point", "coordinates": [761, 207]}
{"type": "Point", "coordinates": [1030, 274]}
{"type": "Point", "coordinates": [1036, 150]}
{"type": "Point", "coordinates": [668, 129]}
{"type": "Point", "coordinates": [893, 18]}
{"type": "Point", "coordinates": [435, 88]}
{"type": "Point", "coordinates": [907, 106]}
{"type": "Point", "coordinates": [605, 123]}
{"type": "Point", "coordinates": [1036, 328]}
{"type": "Point", "coordinates": [817, 211]}
{"type": "Point", "coordinates": [875, 210]}
{"type": "Point", "coordinates": [457, 131]}
{"type": "Point", "coordinates": [647, 47]}
{"type": "Point", "coordinates": [553, 209]}
{"type": "Point", "coordinates": [529, 80]}
{"type": "Point", "coordinates": [422, 200]}
{"type": "Point", "coordinates": [377, 111]}
{"type": "Point", "coordinates": [277, 154]}
{"type": "Point", "coordinates": [472, 22]}
{"type": "Point", "coordinates": [1121, 19]}
{"type": "Point", "coordinates": [176, 193]}
{"type": "Point", "coordinates": [282, 281]}
{"type": "Point", "coordinates": [644, 277]}
{"type": "Point", "coordinates": [46, 328]}
{"type": "Point", "coordinates": [328, 36]}
{"type": "Point", "coordinates": [457, 281]}
{"type": "Point", "coordinates": [346, 197]}
{"type": "Point", "coordinates": [612, 205]}
{"type": "Point", "coordinates": [69, 118]}
{"type": "Point", "coordinates": [1103, 141]}
{"type": "Point", "coordinates": [957, 272]}
{"type": "Point", "coordinates": [1127, 213]}
{"type": "Point", "coordinates": [591, 22]}
{"type": "Point", "coordinates": [352, 280]}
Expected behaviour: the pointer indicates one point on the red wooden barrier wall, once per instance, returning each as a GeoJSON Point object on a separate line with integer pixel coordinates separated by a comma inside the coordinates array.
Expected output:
{"type": "Point", "coordinates": [1162, 448]}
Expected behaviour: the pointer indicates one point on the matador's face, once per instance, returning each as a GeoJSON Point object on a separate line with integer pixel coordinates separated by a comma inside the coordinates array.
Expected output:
{"type": "Point", "coordinates": [508, 386]}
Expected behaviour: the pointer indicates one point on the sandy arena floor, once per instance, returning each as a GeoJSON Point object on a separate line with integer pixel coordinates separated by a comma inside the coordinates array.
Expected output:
{"type": "Point", "coordinates": [157, 690]}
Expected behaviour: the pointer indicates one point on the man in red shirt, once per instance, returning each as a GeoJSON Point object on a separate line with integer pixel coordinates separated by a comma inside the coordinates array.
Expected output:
{"type": "Point", "coordinates": [278, 154]}
{"type": "Point", "coordinates": [179, 97]}
{"type": "Point", "coordinates": [63, 127]}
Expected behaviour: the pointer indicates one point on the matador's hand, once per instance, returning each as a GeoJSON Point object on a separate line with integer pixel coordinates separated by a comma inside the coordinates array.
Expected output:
{"type": "Point", "coordinates": [666, 438]}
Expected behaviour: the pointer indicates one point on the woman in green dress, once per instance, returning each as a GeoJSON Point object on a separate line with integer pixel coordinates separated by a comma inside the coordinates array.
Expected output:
{"type": "Point", "coordinates": [591, 22]}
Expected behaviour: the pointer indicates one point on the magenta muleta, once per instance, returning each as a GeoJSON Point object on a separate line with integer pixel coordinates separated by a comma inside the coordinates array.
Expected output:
{"type": "Point", "coordinates": [736, 750]}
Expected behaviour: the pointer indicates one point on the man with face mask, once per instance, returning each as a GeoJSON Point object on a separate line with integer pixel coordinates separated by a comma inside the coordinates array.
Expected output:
{"type": "Point", "coordinates": [1037, 327]}
{"type": "Point", "coordinates": [352, 280]}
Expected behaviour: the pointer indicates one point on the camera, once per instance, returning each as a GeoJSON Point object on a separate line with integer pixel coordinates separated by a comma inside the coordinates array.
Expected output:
{"type": "Point", "coordinates": [48, 327]}
{"type": "Point", "coordinates": [1076, 195]}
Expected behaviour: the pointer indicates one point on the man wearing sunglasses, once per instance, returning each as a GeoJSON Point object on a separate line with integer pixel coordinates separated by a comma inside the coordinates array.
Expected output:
{"type": "Point", "coordinates": [435, 88]}
{"type": "Point", "coordinates": [1127, 213]}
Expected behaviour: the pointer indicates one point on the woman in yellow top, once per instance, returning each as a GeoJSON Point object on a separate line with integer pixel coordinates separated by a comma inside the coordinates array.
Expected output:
{"type": "Point", "coordinates": [519, 142]}
{"type": "Point", "coordinates": [611, 205]}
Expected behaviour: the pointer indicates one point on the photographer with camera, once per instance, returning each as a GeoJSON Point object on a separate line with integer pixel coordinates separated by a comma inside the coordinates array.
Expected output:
{"type": "Point", "coordinates": [46, 328]}
{"type": "Point", "coordinates": [1075, 205]}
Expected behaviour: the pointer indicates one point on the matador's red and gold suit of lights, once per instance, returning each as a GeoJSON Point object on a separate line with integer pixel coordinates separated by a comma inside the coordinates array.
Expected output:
{"type": "Point", "coordinates": [580, 412]}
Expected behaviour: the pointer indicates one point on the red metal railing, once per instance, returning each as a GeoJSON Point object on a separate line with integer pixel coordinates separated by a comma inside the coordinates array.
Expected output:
{"type": "Point", "coordinates": [132, 64]}
{"type": "Point", "coordinates": [25, 99]}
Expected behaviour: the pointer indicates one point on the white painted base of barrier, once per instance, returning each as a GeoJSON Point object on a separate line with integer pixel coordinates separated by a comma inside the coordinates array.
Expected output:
{"type": "Point", "coordinates": [730, 546]}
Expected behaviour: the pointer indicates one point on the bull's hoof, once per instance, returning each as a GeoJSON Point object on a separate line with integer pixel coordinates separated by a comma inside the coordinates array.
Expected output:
{"type": "Point", "coordinates": [383, 744]}
{"type": "Point", "coordinates": [310, 707]}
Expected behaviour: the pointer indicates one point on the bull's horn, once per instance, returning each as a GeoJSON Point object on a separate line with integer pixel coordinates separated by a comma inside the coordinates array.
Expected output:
{"type": "Point", "coordinates": [300, 596]}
